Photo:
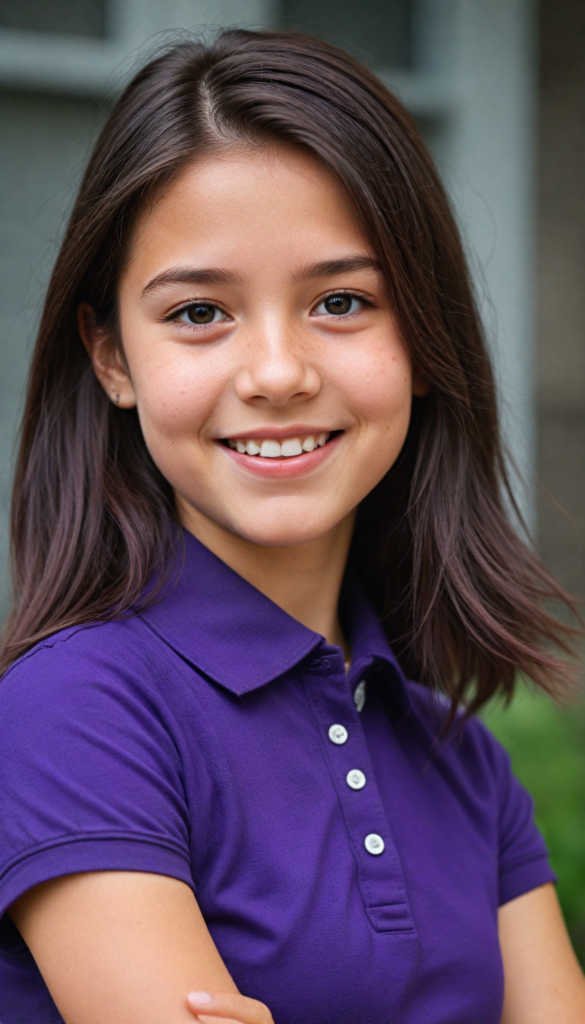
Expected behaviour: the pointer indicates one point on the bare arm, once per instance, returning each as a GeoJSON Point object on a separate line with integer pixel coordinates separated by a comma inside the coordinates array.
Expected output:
{"type": "Point", "coordinates": [129, 946]}
{"type": "Point", "coordinates": [124, 946]}
{"type": "Point", "coordinates": [544, 982]}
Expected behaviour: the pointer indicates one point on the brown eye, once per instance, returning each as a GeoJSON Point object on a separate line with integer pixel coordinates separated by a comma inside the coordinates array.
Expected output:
{"type": "Point", "coordinates": [338, 304]}
{"type": "Point", "coordinates": [201, 313]}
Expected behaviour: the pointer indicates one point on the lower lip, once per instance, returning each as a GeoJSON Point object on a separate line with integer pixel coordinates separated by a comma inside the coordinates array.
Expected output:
{"type": "Point", "coordinates": [284, 468]}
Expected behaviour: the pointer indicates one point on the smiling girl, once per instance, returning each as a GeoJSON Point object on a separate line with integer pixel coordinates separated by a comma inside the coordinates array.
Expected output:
{"type": "Point", "coordinates": [261, 484]}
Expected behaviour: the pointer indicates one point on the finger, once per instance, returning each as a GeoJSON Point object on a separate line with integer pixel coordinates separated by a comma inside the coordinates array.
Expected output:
{"type": "Point", "coordinates": [204, 1018]}
{"type": "Point", "coordinates": [229, 1006]}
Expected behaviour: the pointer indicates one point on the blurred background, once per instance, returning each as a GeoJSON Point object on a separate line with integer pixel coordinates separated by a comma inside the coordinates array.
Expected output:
{"type": "Point", "coordinates": [498, 88]}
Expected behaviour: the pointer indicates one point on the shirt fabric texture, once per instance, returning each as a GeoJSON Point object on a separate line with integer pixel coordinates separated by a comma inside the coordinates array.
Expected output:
{"type": "Point", "coordinates": [193, 740]}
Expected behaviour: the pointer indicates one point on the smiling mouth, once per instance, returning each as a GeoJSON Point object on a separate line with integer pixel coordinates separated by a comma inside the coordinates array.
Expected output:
{"type": "Point", "coordinates": [270, 448]}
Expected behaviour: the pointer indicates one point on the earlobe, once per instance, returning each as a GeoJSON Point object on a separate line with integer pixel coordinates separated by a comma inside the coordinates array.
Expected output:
{"type": "Point", "coordinates": [107, 362]}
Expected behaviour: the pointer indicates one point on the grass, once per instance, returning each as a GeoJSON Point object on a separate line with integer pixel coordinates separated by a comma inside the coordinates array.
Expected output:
{"type": "Point", "coordinates": [547, 747]}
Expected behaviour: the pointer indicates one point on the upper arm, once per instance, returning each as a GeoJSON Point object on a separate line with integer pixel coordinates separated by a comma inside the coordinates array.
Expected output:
{"type": "Point", "coordinates": [97, 835]}
{"type": "Point", "coordinates": [543, 980]}
{"type": "Point", "coordinates": [120, 946]}
{"type": "Point", "coordinates": [91, 778]}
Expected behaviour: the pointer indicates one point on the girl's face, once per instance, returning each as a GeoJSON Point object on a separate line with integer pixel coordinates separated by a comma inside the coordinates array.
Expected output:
{"type": "Point", "coordinates": [272, 387]}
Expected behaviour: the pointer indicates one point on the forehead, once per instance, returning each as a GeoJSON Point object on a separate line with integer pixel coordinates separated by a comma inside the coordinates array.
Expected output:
{"type": "Point", "coordinates": [244, 203]}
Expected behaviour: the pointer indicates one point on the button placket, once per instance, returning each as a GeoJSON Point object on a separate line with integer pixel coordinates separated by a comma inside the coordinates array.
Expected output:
{"type": "Point", "coordinates": [379, 871]}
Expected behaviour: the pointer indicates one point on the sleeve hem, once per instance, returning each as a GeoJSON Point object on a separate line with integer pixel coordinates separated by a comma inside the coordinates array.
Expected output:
{"type": "Point", "coordinates": [522, 878]}
{"type": "Point", "coordinates": [92, 853]}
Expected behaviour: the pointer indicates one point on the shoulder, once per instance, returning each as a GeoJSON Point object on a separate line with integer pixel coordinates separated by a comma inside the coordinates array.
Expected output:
{"type": "Point", "coordinates": [467, 748]}
{"type": "Point", "coordinates": [477, 772]}
{"type": "Point", "coordinates": [125, 641]}
{"type": "Point", "coordinates": [84, 699]}
{"type": "Point", "coordinates": [114, 663]}
{"type": "Point", "coordinates": [91, 762]}
{"type": "Point", "coordinates": [85, 642]}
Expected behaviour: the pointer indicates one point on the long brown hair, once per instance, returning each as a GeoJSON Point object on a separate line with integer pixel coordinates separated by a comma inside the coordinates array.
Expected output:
{"type": "Point", "coordinates": [460, 594]}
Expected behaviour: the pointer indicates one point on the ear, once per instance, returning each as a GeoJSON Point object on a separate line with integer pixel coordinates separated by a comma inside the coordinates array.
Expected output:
{"type": "Point", "coordinates": [106, 359]}
{"type": "Point", "coordinates": [420, 388]}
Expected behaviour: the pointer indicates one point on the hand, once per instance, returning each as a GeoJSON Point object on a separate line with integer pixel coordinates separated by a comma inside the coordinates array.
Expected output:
{"type": "Point", "coordinates": [227, 1008]}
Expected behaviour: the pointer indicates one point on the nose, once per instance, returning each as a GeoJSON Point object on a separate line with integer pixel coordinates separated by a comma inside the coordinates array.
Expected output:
{"type": "Point", "coordinates": [277, 368]}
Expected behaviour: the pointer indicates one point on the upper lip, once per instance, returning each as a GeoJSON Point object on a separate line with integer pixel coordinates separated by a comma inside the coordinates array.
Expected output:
{"type": "Point", "coordinates": [276, 433]}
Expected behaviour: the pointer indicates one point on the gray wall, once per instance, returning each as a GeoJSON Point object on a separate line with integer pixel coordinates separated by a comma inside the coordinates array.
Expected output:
{"type": "Point", "coordinates": [45, 141]}
{"type": "Point", "coordinates": [561, 289]}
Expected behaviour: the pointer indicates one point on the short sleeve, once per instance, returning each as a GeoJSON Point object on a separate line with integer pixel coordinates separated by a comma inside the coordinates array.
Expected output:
{"type": "Point", "coordinates": [500, 806]}
{"type": "Point", "coordinates": [522, 856]}
{"type": "Point", "coordinates": [90, 778]}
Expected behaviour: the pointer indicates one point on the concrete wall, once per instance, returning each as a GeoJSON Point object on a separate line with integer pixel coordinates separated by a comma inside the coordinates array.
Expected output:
{"type": "Point", "coordinates": [561, 289]}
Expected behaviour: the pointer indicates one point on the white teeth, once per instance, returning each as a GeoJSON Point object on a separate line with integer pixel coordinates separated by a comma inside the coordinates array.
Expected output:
{"type": "Point", "coordinates": [270, 450]}
{"type": "Point", "coordinates": [292, 447]}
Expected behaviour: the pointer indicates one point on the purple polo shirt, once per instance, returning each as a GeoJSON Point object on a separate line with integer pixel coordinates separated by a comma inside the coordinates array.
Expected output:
{"type": "Point", "coordinates": [349, 867]}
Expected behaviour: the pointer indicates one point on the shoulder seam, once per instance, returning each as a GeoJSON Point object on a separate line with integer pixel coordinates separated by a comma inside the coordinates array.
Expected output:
{"type": "Point", "coordinates": [59, 638]}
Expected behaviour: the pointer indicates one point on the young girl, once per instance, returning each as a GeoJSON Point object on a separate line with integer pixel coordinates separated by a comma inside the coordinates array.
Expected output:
{"type": "Point", "coordinates": [260, 443]}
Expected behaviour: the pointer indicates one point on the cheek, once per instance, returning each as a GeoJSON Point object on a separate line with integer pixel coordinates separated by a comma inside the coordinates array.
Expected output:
{"type": "Point", "coordinates": [379, 387]}
{"type": "Point", "coordinates": [175, 399]}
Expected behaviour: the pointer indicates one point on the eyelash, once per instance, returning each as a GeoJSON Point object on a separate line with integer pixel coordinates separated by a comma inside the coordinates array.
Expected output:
{"type": "Point", "coordinates": [346, 293]}
{"type": "Point", "coordinates": [174, 316]}
{"type": "Point", "coordinates": [176, 313]}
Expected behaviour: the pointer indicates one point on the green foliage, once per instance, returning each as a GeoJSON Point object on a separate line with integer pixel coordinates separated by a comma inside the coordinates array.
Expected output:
{"type": "Point", "coordinates": [547, 747]}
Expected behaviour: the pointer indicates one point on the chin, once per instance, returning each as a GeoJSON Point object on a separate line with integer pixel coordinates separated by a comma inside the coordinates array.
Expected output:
{"type": "Point", "coordinates": [287, 532]}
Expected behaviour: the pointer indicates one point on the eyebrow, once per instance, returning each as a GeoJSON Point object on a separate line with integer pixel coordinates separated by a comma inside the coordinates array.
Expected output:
{"type": "Point", "coordinates": [330, 268]}
{"type": "Point", "coordinates": [192, 275]}
{"type": "Point", "coordinates": [216, 275]}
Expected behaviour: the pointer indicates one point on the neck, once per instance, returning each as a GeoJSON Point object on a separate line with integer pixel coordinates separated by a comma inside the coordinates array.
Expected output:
{"type": "Point", "coordinates": [304, 579]}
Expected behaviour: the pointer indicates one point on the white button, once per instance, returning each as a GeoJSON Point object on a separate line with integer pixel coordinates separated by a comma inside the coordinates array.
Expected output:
{"type": "Point", "coordinates": [338, 734]}
{"type": "Point", "coordinates": [359, 695]}
{"type": "Point", "coordinates": [355, 779]}
{"type": "Point", "coordinates": [374, 844]}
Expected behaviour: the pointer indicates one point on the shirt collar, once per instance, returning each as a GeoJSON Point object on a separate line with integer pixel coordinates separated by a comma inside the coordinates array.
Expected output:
{"type": "Point", "coordinates": [238, 637]}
